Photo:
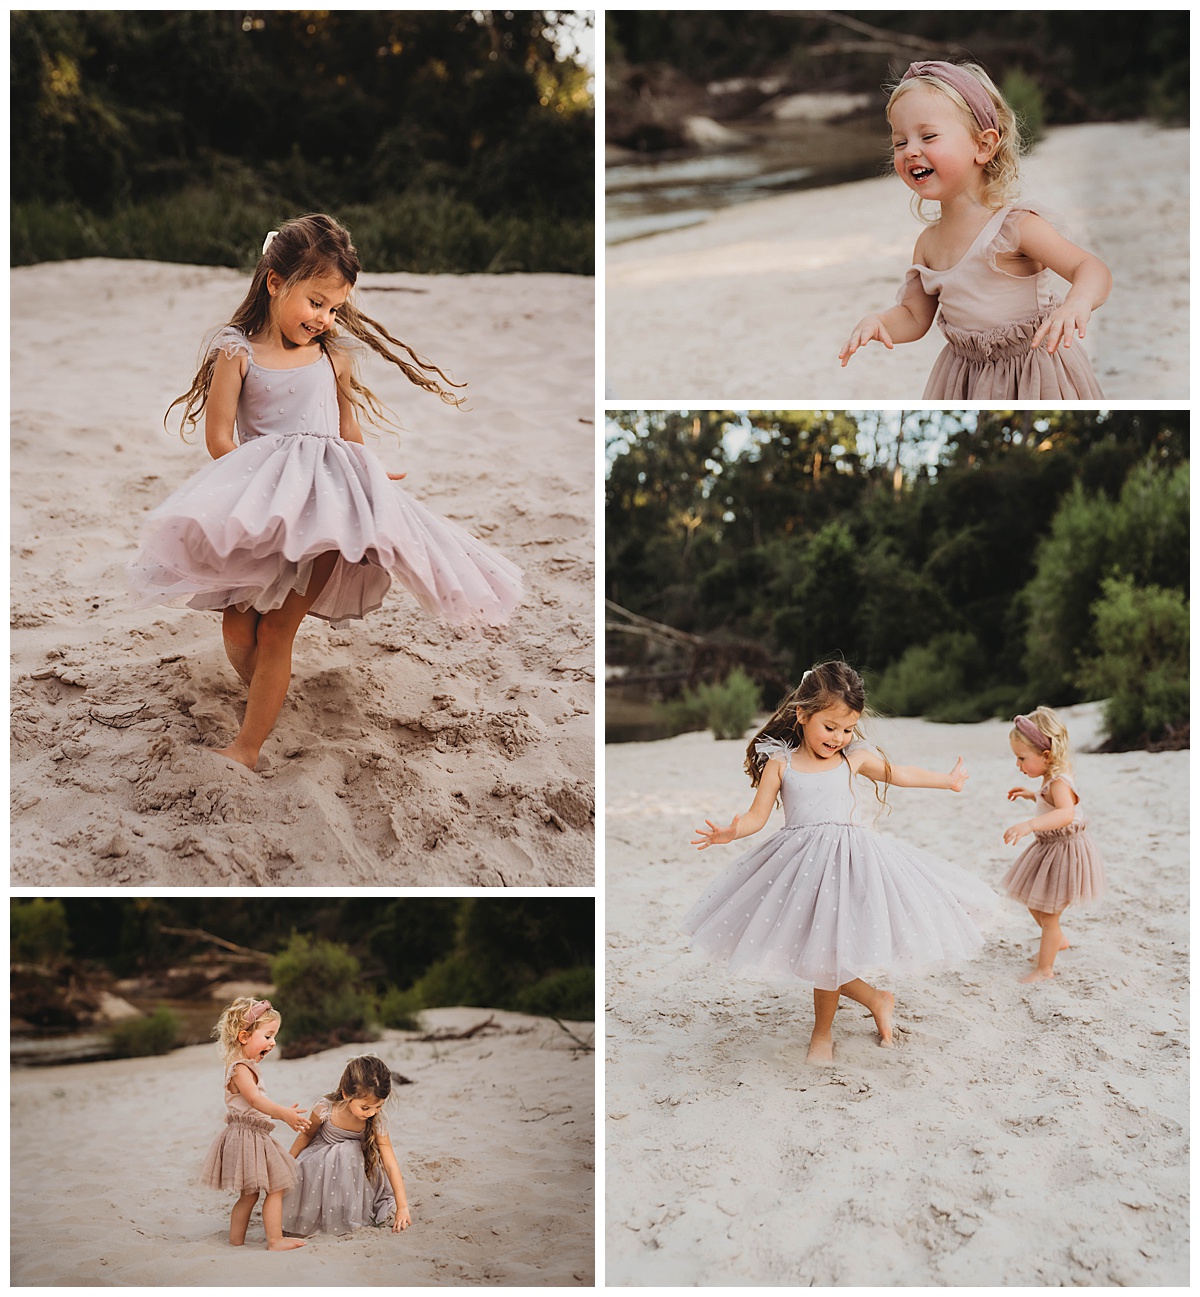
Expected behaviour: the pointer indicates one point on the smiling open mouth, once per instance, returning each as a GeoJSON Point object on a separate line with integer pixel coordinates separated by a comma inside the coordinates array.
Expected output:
{"type": "Point", "coordinates": [921, 173]}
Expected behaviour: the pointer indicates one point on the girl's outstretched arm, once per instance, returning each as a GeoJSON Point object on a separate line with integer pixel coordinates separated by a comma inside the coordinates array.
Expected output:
{"type": "Point", "coordinates": [392, 1170]}
{"type": "Point", "coordinates": [304, 1138]}
{"type": "Point", "coordinates": [905, 322]}
{"type": "Point", "coordinates": [1063, 814]}
{"type": "Point", "coordinates": [220, 409]}
{"type": "Point", "coordinates": [1089, 277]}
{"type": "Point", "coordinates": [243, 1080]}
{"type": "Point", "coordinates": [743, 826]}
{"type": "Point", "coordinates": [871, 764]}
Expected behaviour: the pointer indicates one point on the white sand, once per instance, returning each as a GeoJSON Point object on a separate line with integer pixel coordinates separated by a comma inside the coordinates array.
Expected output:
{"type": "Point", "coordinates": [495, 1140]}
{"type": "Point", "coordinates": [756, 304]}
{"type": "Point", "coordinates": [1016, 1136]}
{"type": "Point", "coordinates": [407, 752]}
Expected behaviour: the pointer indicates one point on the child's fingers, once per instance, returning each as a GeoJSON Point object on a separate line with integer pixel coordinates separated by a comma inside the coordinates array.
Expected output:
{"type": "Point", "coordinates": [885, 338]}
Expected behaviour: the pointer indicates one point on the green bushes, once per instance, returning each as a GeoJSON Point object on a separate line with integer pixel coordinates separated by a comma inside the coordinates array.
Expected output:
{"type": "Point", "coordinates": [929, 675]}
{"type": "Point", "coordinates": [1142, 665]}
{"type": "Point", "coordinates": [137, 1037]}
{"type": "Point", "coordinates": [318, 990]}
{"type": "Point", "coordinates": [569, 994]}
{"type": "Point", "coordinates": [38, 931]}
{"type": "Point", "coordinates": [727, 708]}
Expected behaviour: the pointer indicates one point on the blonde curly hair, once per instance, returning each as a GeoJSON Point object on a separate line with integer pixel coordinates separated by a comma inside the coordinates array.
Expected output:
{"type": "Point", "coordinates": [1058, 759]}
{"type": "Point", "coordinates": [1002, 171]}
{"type": "Point", "coordinates": [233, 1021]}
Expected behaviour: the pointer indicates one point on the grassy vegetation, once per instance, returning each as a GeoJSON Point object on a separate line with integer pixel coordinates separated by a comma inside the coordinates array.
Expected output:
{"type": "Point", "coordinates": [137, 1037]}
{"type": "Point", "coordinates": [423, 233]}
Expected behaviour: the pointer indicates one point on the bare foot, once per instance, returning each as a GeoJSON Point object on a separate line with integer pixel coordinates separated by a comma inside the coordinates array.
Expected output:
{"type": "Point", "coordinates": [284, 1244]}
{"type": "Point", "coordinates": [235, 754]}
{"type": "Point", "coordinates": [820, 1050]}
{"type": "Point", "coordinates": [882, 1013]}
{"type": "Point", "coordinates": [1037, 975]}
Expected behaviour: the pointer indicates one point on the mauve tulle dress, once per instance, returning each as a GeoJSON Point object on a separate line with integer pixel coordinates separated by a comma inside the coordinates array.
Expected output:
{"type": "Point", "coordinates": [826, 899]}
{"type": "Point", "coordinates": [1060, 867]}
{"type": "Point", "coordinates": [333, 1194]}
{"type": "Point", "coordinates": [245, 529]}
{"type": "Point", "coordinates": [244, 1157]}
{"type": "Point", "coordinates": [989, 317]}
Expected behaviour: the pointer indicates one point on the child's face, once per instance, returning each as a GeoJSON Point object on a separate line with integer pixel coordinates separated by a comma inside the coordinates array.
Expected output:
{"type": "Point", "coordinates": [307, 310]}
{"type": "Point", "coordinates": [933, 150]}
{"type": "Point", "coordinates": [1030, 761]}
{"type": "Point", "coordinates": [828, 731]}
{"type": "Point", "coordinates": [363, 1106]}
{"type": "Point", "coordinates": [259, 1041]}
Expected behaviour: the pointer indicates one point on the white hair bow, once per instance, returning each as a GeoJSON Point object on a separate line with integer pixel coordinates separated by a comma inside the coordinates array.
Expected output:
{"type": "Point", "coordinates": [267, 240]}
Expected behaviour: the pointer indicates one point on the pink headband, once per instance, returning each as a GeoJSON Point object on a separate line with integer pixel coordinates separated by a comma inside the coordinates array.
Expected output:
{"type": "Point", "coordinates": [1028, 730]}
{"type": "Point", "coordinates": [978, 99]}
{"type": "Point", "coordinates": [256, 1011]}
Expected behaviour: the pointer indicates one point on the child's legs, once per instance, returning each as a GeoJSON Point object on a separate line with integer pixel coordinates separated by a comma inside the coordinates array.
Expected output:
{"type": "Point", "coordinates": [273, 666]}
{"type": "Point", "coordinates": [239, 1218]}
{"type": "Point", "coordinates": [240, 632]}
{"type": "Point", "coordinates": [1040, 917]}
{"type": "Point", "coordinates": [879, 1002]}
{"type": "Point", "coordinates": [273, 1223]}
{"type": "Point", "coordinates": [1051, 943]}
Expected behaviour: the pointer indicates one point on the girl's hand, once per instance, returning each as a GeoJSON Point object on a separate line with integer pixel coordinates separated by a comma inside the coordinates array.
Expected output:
{"type": "Point", "coordinates": [714, 836]}
{"type": "Point", "coordinates": [868, 329]}
{"type": "Point", "coordinates": [958, 776]}
{"type": "Point", "coordinates": [403, 1220]}
{"type": "Point", "coordinates": [295, 1118]}
{"type": "Point", "coordinates": [1014, 793]}
{"type": "Point", "coordinates": [1060, 326]}
{"type": "Point", "coordinates": [397, 477]}
{"type": "Point", "coordinates": [1015, 832]}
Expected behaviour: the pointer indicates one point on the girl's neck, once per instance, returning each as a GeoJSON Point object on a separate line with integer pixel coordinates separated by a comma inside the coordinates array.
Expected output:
{"type": "Point", "coordinates": [964, 209]}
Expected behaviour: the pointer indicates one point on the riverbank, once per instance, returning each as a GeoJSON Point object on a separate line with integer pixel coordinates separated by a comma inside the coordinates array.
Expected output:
{"type": "Point", "coordinates": [1015, 1136]}
{"type": "Point", "coordinates": [495, 1140]}
{"type": "Point", "coordinates": [754, 305]}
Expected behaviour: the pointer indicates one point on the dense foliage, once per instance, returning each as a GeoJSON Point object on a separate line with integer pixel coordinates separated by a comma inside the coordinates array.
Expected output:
{"type": "Point", "coordinates": [957, 559]}
{"type": "Point", "coordinates": [445, 139]}
{"type": "Point", "coordinates": [1116, 63]}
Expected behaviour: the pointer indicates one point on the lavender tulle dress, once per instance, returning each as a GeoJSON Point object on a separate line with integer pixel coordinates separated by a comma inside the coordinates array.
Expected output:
{"type": "Point", "coordinates": [332, 1193]}
{"type": "Point", "coordinates": [245, 529]}
{"type": "Point", "coordinates": [826, 900]}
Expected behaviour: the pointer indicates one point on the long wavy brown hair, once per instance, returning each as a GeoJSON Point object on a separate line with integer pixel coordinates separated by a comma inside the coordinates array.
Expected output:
{"type": "Point", "coordinates": [312, 247]}
{"type": "Point", "coordinates": [365, 1077]}
{"type": "Point", "coordinates": [828, 684]}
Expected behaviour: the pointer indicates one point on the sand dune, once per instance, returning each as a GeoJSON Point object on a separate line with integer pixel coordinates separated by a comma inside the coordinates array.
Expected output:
{"type": "Point", "coordinates": [407, 752]}
{"type": "Point", "coordinates": [495, 1140]}
{"type": "Point", "coordinates": [1016, 1136]}
{"type": "Point", "coordinates": [755, 304]}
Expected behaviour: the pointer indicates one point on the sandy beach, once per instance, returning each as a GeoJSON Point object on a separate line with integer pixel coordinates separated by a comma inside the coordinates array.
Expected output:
{"type": "Point", "coordinates": [407, 752]}
{"type": "Point", "coordinates": [1015, 1136]}
{"type": "Point", "coordinates": [495, 1140]}
{"type": "Point", "coordinates": [755, 304]}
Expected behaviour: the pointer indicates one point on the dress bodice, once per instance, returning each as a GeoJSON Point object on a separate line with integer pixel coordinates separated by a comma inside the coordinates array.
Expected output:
{"type": "Point", "coordinates": [975, 294]}
{"type": "Point", "coordinates": [815, 796]}
{"type": "Point", "coordinates": [328, 1133]}
{"type": "Point", "coordinates": [302, 400]}
{"type": "Point", "coordinates": [235, 1101]}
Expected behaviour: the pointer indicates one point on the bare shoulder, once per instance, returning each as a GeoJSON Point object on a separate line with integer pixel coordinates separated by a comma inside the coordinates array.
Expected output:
{"type": "Point", "coordinates": [926, 244]}
{"type": "Point", "coordinates": [228, 367]}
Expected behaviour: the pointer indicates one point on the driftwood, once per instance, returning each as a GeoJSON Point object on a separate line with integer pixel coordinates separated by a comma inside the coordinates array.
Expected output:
{"type": "Point", "coordinates": [585, 1045]}
{"type": "Point", "coordinates": [200, 935]}
{"type": "Point", "coordinates": [449, 1033]}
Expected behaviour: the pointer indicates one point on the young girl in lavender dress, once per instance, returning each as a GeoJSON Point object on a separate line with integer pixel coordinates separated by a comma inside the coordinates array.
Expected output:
{"type": "Point", "coordinates": [294, 516]}
{"type": "Point", "coordinates": [244, 1158]}
{"type": "Point", "coordinates": [1062, 866]}
{"type": "Point", "coordinates": [986, 260]}
{"type": "Point", "coordinates": [347, 1175]}
{"type": "Point", "coordinates": [826, 900]}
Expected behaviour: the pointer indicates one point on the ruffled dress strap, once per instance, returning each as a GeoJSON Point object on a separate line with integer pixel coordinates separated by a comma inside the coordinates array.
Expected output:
{"type": "Point", "coordinates": [1006, 238]}
{"type": "Point", "coordinates": [775, 750]}
{"type": "Point", "coordinates": [231, 342]}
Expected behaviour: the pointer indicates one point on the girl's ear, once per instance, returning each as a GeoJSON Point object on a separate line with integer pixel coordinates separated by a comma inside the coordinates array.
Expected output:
{"type": "Point", "coordinates": [986, 146]}
{"type": "Point", "coordinates": [274, 282]}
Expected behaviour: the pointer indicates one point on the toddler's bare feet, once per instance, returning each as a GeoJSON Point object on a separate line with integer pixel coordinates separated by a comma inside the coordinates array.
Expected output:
{"type": "Point", "coordinates": [820, 1050]}
{"type": "Point", "coordinates": [882, 1013]}
{"type": "Point", "coordinates": [284, 1244]}
{"type": "Point", "coordinates": [1037, 975]}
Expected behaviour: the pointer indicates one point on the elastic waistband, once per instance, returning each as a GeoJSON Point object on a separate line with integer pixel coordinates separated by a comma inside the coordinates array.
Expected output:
{"type": "Point", "coordinates": [252, 1120]}
{"type": "Point", "coordinates": [1067, 831]}
{"type": "Point", "coordinates": [1009, 341]}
